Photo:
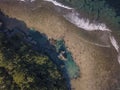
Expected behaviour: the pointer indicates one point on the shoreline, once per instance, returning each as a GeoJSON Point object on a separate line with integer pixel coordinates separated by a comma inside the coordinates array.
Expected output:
{"type": "Point", "coordinates": [98, 65]}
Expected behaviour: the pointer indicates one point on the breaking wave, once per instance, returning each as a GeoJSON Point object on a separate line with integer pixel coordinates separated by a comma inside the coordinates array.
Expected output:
{"type": "Point", "coordinates": [74, 17]}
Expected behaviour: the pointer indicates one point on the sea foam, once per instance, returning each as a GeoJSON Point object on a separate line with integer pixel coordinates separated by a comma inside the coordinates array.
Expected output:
{"type": "Point", "coordinates": [74, 17]}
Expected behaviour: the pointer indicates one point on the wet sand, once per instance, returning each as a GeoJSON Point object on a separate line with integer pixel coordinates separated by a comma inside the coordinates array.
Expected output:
{"type": "Point", "coordinates": [99, 68]}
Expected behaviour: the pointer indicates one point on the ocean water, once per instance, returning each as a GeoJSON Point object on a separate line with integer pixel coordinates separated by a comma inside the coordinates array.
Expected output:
{"type": "Point", "coordinates": [71, 67]}
{"type": "Point", "coordinates": [115, 4]}
{"type": "Point", "coordinates": [41, 39]}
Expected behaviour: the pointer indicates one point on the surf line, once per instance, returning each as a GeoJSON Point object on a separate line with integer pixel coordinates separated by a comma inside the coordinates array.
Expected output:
{"type": "Point", "coordinates": [85, 24]}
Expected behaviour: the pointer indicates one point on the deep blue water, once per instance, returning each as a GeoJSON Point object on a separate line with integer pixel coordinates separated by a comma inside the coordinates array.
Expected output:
{"type": "Point", "coordinates": [115, 4]}
{"type": "Point", "coordinates": [40, 38]}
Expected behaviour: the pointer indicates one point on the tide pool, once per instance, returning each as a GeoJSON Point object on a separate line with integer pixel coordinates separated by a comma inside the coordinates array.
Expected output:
{"type": "Point", "coordinates": [71, 67]}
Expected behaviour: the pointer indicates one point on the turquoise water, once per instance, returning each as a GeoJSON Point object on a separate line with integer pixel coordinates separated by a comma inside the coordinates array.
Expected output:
{"type": "Point", "coordinates": [71, 67]}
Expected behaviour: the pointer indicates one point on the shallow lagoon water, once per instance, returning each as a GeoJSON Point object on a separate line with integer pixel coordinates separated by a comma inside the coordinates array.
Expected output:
{"type": "Point", "coordinates": [71, 67]}
{"type": "Point", "coordinates": [69, 64]}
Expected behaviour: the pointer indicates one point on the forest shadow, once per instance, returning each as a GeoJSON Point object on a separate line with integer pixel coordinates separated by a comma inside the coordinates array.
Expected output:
{"type": "Point", "coordinates": [39, 42]}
